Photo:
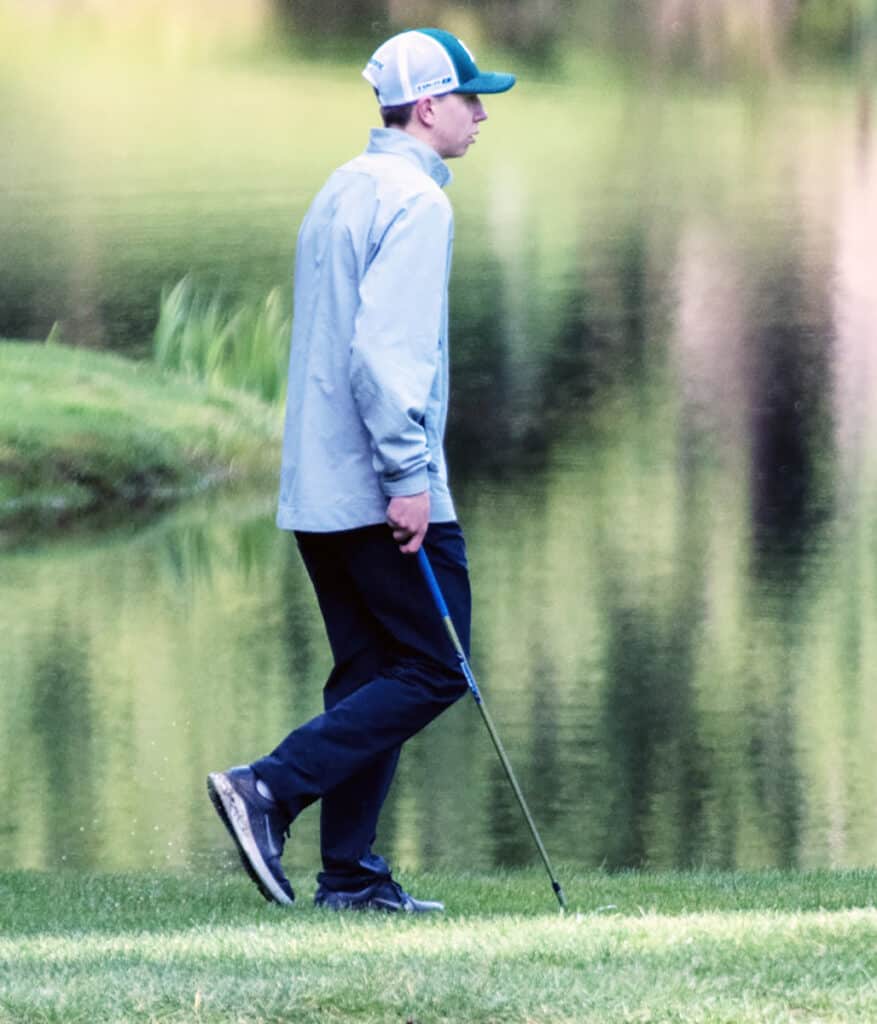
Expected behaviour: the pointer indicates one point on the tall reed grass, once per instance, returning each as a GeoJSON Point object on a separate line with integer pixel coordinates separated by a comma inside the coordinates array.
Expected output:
{"type": "Point", "coordinates": [244, 346]}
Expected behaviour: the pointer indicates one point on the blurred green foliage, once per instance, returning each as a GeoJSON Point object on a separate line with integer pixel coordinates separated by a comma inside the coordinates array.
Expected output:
{"type": "Point", "coordinates": [242, 346]}
{"type": "Point", "coordinates": [690, 32]}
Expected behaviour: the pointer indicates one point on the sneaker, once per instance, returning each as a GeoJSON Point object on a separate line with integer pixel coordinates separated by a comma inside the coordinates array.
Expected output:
{"type": "Point", "coordinates": [385, 895]}
{"type": "Point", "coordinates": [257, 825]}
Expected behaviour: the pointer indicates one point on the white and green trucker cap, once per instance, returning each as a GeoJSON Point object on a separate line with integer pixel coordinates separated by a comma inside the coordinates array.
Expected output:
{"type": "Point", "coordinates": [427, 62]}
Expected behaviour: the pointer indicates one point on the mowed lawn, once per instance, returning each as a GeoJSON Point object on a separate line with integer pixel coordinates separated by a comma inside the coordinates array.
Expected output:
{"type": "Point", "coordinates": [732, 947]}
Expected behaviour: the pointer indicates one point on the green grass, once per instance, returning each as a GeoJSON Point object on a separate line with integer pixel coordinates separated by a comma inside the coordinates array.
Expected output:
{"type": "Point", "coordinates": [84, 432]}
{"type": "Point", "coordinates": [245, 346]}
{"type": "Point", "coordinates": [634, 947]}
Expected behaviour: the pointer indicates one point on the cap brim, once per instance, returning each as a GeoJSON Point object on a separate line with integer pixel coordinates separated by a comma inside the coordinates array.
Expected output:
{"type": "Point", "coordinates": [487, 82]}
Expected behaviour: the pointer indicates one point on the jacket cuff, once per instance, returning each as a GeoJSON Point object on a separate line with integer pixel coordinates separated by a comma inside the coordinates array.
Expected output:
{"type": "Point", "coordinates": [403, 487]}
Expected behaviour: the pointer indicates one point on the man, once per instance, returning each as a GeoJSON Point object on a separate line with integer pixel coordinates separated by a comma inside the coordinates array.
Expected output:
{"type": "Point", "coordinates": [363, 478]}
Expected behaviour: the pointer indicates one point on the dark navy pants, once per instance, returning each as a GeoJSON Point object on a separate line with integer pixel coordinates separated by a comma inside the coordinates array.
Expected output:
{"type": "Point", "coordinates": [394, 672]}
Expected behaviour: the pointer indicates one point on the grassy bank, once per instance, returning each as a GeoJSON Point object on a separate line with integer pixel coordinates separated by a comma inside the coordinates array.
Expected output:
{"type": "Point", "coordinates": [86, 432]}
{"type": "Point", "coordinates": [665, 947]}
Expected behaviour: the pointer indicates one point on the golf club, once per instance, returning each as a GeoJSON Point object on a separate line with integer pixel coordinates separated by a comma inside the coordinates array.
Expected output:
{"type": "Point", "coordinates": [442, 608]}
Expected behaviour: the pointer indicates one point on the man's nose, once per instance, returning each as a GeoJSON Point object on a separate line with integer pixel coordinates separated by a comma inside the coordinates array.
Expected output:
{"type": "Point", "coordinates": [480, 113]}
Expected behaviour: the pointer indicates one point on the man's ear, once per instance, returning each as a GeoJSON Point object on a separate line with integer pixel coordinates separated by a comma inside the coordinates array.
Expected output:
{"type": "Point", "coordinates": [424, 111]}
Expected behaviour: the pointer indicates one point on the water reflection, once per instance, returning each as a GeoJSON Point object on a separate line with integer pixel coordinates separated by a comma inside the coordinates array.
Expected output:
{"type": "Point", "coordinates": [790, 355]}
{"type": "Point", "coordinates": [662, 442]}
{"type": "Point", "coordinates": [62, 734]}
{"type": "Point", "coordinates": [663, 704]}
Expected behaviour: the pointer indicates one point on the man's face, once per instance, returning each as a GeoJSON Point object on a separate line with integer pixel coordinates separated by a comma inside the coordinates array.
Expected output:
{"type": "Point", "coordinates": [457, 117]}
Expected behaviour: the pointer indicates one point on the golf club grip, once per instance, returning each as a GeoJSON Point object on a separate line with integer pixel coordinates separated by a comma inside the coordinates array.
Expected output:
{"type": "Point", "coordinates": [432, 583]}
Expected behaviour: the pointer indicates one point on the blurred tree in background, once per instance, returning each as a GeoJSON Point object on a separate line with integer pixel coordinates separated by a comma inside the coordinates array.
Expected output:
{"type": "Point", "coordinates": [715, 36]}
{"type": "Point", "coordinates": [711, 35]}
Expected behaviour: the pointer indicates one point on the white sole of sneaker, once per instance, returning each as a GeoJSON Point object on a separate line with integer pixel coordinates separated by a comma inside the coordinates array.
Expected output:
{"type": "Point", "coordinates": [235, 817]}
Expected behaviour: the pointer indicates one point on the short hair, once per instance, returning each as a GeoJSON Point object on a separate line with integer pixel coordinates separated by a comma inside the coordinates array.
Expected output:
{"type": "Point", "coordinates": [396, 117]}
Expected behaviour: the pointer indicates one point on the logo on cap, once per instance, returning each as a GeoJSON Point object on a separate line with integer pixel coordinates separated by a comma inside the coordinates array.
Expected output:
{"type": "Point", "coordinates": [434, 83]}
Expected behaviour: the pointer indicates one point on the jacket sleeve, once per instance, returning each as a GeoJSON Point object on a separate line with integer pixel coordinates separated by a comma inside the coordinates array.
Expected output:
{"type": "Point", "coordinates": [395, 349]}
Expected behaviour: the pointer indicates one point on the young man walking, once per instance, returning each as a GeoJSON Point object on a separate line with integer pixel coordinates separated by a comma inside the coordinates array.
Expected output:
{"type": "Point", "coordinates": [363, 480]}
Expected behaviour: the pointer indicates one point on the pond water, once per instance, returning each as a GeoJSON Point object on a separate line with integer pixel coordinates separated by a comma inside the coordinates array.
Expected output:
{"type": "Point", "coordinates": [663, 443]}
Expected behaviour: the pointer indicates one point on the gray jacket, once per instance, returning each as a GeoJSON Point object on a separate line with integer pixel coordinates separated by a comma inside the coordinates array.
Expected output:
{"type": "Point", "coordinates": [367, 398]}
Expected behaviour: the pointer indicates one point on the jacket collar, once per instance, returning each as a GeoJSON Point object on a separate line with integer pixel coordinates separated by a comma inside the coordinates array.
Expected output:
{"type": "Point", "coordinates": [398, 142]}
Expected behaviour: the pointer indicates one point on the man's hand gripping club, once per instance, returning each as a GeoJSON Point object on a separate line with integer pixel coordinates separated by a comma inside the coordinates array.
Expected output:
{"type": "Point", "coordinates": [408, 517]}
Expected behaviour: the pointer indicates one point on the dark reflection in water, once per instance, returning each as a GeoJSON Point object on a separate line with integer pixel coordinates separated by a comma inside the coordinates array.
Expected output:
{"type": "Point", "coordinates": [791, 421]}
{"type": "Point", "coordinates": [772, 751]}
{"type": "Point", "coordinates": [652, 736]}
{"type": "Point", "coordinates": [511, 844]}
{"type": "Point", "coordinates": [544, 765]}
{"type": "Point", "coordinates": [512, 401]}
{"type": "Point", "coordinates": [188, 556]}
{"type": "Point", "coordinates": [63, 730]}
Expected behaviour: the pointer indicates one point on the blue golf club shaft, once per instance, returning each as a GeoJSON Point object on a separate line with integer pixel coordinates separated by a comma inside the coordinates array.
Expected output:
{"type": "Point", "coordinates": [442, 608]}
